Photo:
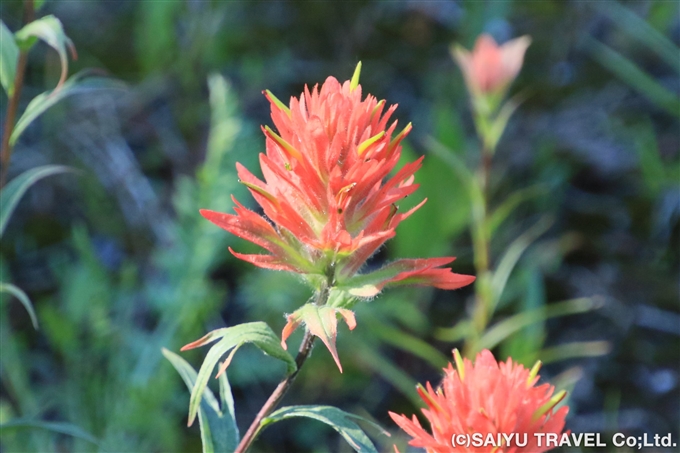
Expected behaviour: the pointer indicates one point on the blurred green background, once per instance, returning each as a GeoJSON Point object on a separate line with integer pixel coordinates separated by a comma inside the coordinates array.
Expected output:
{"type": "Point", "coordinates": [119, 263]}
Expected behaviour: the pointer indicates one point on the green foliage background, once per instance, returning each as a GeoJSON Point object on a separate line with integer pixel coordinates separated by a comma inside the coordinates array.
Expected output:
{"type": "Point", "coordinates": [119, 264]}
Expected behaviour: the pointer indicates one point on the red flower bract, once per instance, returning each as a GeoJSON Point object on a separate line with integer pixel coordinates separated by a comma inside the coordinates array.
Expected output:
{"type": "Point", "coordinates": [327, 194]}
{"type": "Point", "coordinates": [490, 67]}
{"type": "Point", "coordinates": [486, 398]}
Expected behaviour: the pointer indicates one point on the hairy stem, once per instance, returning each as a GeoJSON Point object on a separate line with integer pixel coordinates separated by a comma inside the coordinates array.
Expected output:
{"type": "Point", "coordinates": [5, 148]}
{"type": "Point", "coordinates": [281, 389]}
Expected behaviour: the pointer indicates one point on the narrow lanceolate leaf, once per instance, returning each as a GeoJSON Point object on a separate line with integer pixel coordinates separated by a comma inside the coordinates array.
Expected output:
{"type": "Point", "coordinates": [68, 429]}
{"type": "Point", "coordinates": [513, 254]}
{"type": "Point", "coordinates": [503, 329]}
{"type": "Point", "coordinates": [257, 333]}
{"type": "Point", "coordinates": [219, 433]}
{"type": "Point", "coordinates": [9, 55]}
{"type": "Point", "coordinates": [23, 298]}
{"type": "Point", "coordinates": [339, 420]}
{"type": "Point", "coordinates": [12, 193]}
{"type": "Point", "coordinates": [79, 83]}
{"type": "Point", "coordinates": [49, 30]}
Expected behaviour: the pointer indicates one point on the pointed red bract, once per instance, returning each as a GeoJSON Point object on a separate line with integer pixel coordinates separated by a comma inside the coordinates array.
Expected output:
{"type": "Point", "coordinates": [322, 322]}
{"type": "Point", "coordinates": [328, 199]}
{"type": "Point", "coordinates": [486, 398]}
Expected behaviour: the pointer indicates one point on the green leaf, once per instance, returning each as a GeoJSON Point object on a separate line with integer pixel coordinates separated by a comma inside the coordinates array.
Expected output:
{"type": "Point", "coordinates": [337, 419]}
{"type": "Point", "coordinates": [79, 83]}
{"type": "Point", "coordinates": [576, 349]}
{"type": "Point", "coordinates": [497, 126]}
{"type": "Point", "coordinates": [50, 30]}
{"type": "Point", "coordinates": [503, 329]}
{"type": "Point", "coordinates": [526, 343]}
{"type": "Point", "coordinates": [407, 342]}
{"type": "Point", "coordinates": [632, 24]}
{"type": "Point", "coordinates": [513, 254]}
{"type": "Point", "coordinates": [506, 207]}
{"type": "Point", "coordinates": [635, 77]}
{"type": "Point", "coordinates": [454, 161]}
{"type": "Point", "coordinates": [460, 331]}
{"type": "Point", "coordinates": [15, 189]}
{"type": "Point", "coordinates": [258, 333]}
{"type": "Point", "coordinates": [68, 429]}
{"type": "Point", "coordinates": [9, 55]}
{"type": "Point", "coordinates": [23, 298]}
{"type": "Point", "coordinates": [219, 432]}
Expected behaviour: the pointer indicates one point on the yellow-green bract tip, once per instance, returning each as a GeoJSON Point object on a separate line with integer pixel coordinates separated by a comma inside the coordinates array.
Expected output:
{"type": "Point", "coordinates": [355, 78]}
{"type": "Point", "coordinates": [460, 364]}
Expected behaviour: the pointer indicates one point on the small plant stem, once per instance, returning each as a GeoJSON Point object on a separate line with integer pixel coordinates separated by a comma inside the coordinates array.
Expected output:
{"type": "Point", "coordinates": [281, 389]}
{"type": "Point", "coordinates": [5, 148]}
{"type": "Point", "coordinates": [481, 243]}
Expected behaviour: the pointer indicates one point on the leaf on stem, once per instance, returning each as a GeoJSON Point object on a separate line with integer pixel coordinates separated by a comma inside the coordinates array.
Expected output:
{"type": "Point", "coordinates": [50, 30]}
{"type": "Point", "coordinates": [258, 333]}
{"type": "Point", "coordinates": [219, 432]}
{"type": "Point", "coordinates": [513, 254]}
{"type": "Point", "coordinates": [12, 192]}
{"type": "Point", "coordinates": [9, 55]}
{"type": "Point", "coordinates": [23, 298]}
{"type": "Point", "coordinates": [79, 83]}
{"type": "Point", "coordinates": [506, 207]}
{"type": "Point", "coordinates": [503, 329]}
{"type": "Point", "coordinates": [576, 349]}
{"type": "Point", "coordinates": [339, 420]}
{"type": "Point", "coordinates": [68, 429]}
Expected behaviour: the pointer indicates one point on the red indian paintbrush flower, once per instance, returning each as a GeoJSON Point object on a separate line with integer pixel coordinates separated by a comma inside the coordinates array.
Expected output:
{"type": "Point", "coordinates": [327, 194]}
{"type": "Point", "coordinates": [487, 398]}
{"type": "Point", "coordinates": [490, 68]}
{"type": "Point", "coordinates": [329, 201]}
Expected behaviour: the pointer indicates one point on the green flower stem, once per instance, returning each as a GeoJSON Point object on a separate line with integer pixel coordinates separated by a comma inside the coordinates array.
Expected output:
{"type": "Point", "coordinates": [5, 148]}
{"type": "Point", "coordinates": [481, 238]}
{"type": "Point", "coordinates": [280, 391]}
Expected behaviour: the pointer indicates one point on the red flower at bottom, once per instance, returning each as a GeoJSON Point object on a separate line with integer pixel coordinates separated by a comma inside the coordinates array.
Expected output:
{"type": "Point", "coordinates": [487, 398]}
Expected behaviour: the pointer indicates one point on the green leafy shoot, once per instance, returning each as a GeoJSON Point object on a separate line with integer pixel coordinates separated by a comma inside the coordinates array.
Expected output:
{"type": "Point", "coordinates": [219, 432]}
{"type": "Point", "coordinates": [258, 333]}
{"type": "Point", "coordinates": [9, 55]}
{"type": "Point", "coordinates": [50, 30]}
{"type": "Point", "coordinates": [68, 429]}
{"type": "Point", "coordinates": [12, 193]}
{"type": "Point", "coordinates": [339, 420]}
{"type": "Point", "coordinates": [79, 83]}
{"type": "Point", "coordinates": [503, 329]}
{"type": "Point", "coordinates": [23, 298]}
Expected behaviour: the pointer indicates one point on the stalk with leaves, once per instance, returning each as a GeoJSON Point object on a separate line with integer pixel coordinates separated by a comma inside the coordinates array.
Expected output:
{"type": "Point", "coordinates": [329, 203]}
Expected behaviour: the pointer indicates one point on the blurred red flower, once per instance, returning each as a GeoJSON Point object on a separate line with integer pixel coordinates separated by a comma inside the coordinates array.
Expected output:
{"type": "Point", "coordinates": [490, 68]}
{"type": "Point", "coordinates": [486, 398]}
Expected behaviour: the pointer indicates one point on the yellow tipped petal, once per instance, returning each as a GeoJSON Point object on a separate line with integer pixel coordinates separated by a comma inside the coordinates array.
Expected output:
{"type": "Point", "coordinates": [460, 364]}
{"type": "Point", "coordinates": [355, 78]}
{"type": "Point", "coordinates": [276, 101]}
{"type": "Point", "coordinates": [534, 372]}
{"type": "Point", "coordinates": [364, 146]}
{"type": "Point", "coordinates": [401, 135]}
{"type": "Point", "coordinates": [426, 395]}
{"type": "Point", "coordinates": [377, 106]}
{"type": "Point", "coordinates": [261, 191]}
{"type": "Point", "coordinates": [284, 144]}
{"type": "Point", "coordinates": [547, 407]}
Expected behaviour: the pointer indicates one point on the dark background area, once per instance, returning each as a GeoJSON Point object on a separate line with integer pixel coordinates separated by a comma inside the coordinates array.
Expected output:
{"type": "Point", "coordinates": [119, 263]}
